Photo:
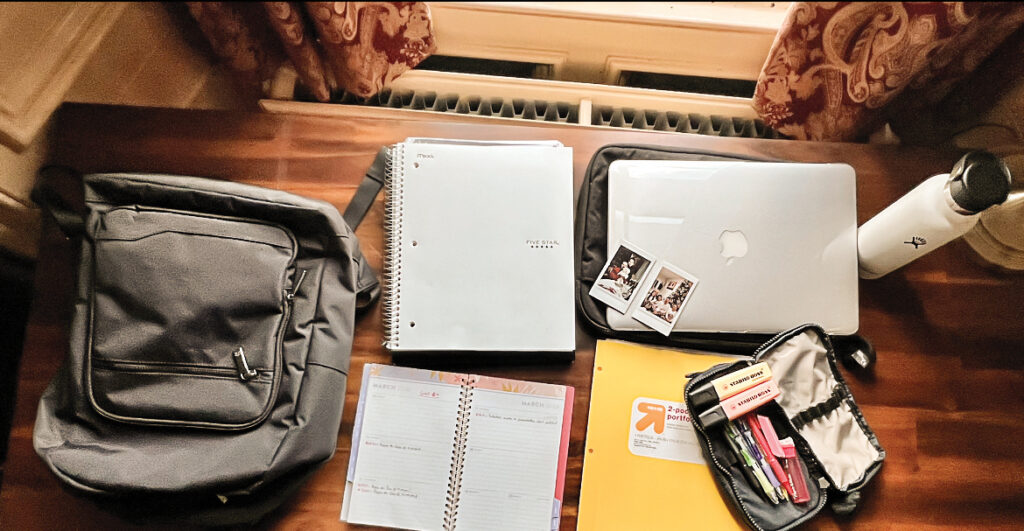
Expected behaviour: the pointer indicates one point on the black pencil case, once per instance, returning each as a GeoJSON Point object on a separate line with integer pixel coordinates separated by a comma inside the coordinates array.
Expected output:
{"type": "Point", "coordinates": [838, 451]}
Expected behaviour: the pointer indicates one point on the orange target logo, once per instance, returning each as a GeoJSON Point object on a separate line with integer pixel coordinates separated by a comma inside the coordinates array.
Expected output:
{"type": "Point", "coordinates": [654, 414]}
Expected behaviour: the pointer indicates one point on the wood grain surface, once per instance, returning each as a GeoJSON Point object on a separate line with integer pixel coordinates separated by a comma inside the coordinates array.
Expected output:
{"type": "Point", "coordinates": [945, 399]}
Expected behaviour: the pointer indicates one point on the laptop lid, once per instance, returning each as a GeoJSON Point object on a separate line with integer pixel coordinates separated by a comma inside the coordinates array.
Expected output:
{"type": "Point", "coordinates": [773, 245]}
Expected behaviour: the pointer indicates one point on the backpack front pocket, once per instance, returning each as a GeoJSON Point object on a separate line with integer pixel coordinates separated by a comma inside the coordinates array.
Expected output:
{"type": "Point", "coordinates": [188, 313]}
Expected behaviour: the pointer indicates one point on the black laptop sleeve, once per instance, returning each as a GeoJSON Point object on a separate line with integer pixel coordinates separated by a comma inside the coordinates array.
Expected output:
{"type": "Point", "coordinates": [591, 240]}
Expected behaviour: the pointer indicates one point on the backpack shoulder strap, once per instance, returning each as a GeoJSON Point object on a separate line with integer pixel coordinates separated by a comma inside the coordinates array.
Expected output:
{"type": "Point", "coordinates": [367, 191]}
{"type": "Point", "coordinates": [72, 223]}
{"type": "Point", "coordinates": [45, 194]}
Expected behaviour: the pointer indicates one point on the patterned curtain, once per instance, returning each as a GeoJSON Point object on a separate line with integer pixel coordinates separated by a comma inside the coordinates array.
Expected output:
{"type": "Point", "coordinates": [360, 47]}
{"type": "Point", "coordinates": [836, 68]}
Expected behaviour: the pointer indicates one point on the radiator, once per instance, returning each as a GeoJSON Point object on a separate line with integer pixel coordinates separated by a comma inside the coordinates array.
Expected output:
{"type": "Point", "coordinates": [560, 111]}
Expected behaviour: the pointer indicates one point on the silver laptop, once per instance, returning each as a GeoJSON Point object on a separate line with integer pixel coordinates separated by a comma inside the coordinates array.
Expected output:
{"type": "Point", "coordinates": [773, 245]}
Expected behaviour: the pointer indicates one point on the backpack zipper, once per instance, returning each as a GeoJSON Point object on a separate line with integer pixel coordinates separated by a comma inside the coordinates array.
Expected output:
{"type": "Point", "coordinates": [175, 369]}
{"type": "Point", "coordinates": [290, 295]}
{"type": "Point", "coordinates": [244, 372]}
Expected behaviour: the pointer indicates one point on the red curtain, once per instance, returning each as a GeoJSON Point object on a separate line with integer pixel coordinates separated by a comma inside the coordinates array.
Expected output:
{"type": "Point", "coordinates": [836, 68]}
{"type": "Point", "coordinates": [360, 47]}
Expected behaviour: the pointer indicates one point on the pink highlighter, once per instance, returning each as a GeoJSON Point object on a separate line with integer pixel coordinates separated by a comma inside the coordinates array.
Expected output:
{"type": "Point", "coordinates": [785, 450]}
{"type": "Point", "coordinates": [736, 406]}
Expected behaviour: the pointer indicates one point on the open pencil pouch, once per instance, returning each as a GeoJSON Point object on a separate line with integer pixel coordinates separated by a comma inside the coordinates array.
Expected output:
{"type": "Point", "coordinates": [838, 452]}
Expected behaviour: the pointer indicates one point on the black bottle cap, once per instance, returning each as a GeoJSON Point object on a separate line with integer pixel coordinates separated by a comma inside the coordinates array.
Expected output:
{"type": "Point", "coordinates": [979, 180]}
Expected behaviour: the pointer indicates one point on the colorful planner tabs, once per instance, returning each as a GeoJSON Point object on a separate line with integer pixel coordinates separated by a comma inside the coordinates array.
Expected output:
{"type": "Point", "coordinates": [729, 385]}
{"type": "Point", "coordinates": [736, 406]}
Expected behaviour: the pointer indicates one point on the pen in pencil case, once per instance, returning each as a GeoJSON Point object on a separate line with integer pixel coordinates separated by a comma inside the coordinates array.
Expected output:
{"type": "Point", "coordinates": [734, 438]}
{"type": "Point", "coordinates": [736, 406]}
{"type": "Point", "coordinates": [729, 385]}
{"type": "Point", "coordinates": [755, 428]}
{"type": "Point", "coordinates": [758, 455]}
{"type": "Point", "coordinates": [733, 458]}
{"type": "Point", "coordinates": [771, 441]}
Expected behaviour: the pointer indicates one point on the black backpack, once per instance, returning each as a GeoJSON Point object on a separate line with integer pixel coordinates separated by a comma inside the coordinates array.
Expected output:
{"type": "Point", "coordinates": [209, 347]}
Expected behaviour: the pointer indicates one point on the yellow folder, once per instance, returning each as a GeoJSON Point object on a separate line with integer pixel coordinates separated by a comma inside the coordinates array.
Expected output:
{"type": "Point", "coordinates": [639, 469]}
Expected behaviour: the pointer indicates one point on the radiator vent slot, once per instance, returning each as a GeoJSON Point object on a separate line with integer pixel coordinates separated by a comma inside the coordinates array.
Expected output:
{"type": "Point", "coordinates": [562, 112]}
{"type": "Point", "coordinates": [681, 122]}
{"type": "Point", "coordinates": [428, 100]}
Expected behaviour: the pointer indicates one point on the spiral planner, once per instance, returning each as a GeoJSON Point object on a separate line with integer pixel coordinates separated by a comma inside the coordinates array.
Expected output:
{"type": "Point", "coordinates": [479, 247]}
{"type": "Point", "coordinates": [440, 450]}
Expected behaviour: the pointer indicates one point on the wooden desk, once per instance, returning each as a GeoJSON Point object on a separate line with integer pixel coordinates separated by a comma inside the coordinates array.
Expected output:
{"type": "Point", "coordinates": [946, 400]}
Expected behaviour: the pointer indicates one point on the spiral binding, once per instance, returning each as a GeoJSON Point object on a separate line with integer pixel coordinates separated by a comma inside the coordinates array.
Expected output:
{"type": "Point", "coordinates": [394, 202]}
{"type": "Point", "coordinates": [451, 507]}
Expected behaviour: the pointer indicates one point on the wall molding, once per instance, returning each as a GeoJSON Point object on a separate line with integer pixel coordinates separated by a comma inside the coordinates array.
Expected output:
{"type": "Point", "coordinates": [727, 40]}
{"type": "Point", "coordinates": [47, 45]}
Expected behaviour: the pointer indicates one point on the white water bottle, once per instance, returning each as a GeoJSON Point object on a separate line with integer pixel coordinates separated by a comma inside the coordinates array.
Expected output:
{"type": "Point", "coordinates": [938, 210]}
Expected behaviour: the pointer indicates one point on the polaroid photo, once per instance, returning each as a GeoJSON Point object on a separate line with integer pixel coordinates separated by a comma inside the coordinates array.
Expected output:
{"type": "Point", "coordinates": [664, 298]}
{"type": "Point", "coordinates": [622, 276]}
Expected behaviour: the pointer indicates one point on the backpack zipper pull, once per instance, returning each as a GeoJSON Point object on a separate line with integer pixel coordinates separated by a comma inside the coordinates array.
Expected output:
{"type": "Point", "coordinates": [244, 372]}
{"type": "Point", "coordinates": [298, 283]}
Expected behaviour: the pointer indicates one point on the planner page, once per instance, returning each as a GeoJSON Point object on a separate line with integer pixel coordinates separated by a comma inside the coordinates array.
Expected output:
{"type": "Point", "coordinates": [512, 455]}
{"type": "Point", "coordinates": [403, 455]}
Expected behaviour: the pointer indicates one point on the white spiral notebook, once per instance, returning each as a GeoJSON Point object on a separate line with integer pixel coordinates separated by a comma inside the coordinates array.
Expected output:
{"type": "Point", "coordinates": [479, 247]}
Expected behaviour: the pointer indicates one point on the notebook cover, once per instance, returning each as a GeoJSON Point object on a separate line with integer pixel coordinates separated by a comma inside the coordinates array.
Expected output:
{"type": "Point", "coordinates": [482, 242]}
{"type": "Point", "coordinates": [641, 468]}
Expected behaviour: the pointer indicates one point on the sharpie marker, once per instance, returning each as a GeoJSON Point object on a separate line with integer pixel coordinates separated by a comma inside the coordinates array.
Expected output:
{"type": "Point", "coordinates": [729, 385]}
{"type": "Point", "coordinates": [739, 405]}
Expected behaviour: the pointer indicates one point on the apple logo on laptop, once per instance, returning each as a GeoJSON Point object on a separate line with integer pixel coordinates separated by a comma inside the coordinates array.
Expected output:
{"type": "Point", "coordinates": [734, 245]}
